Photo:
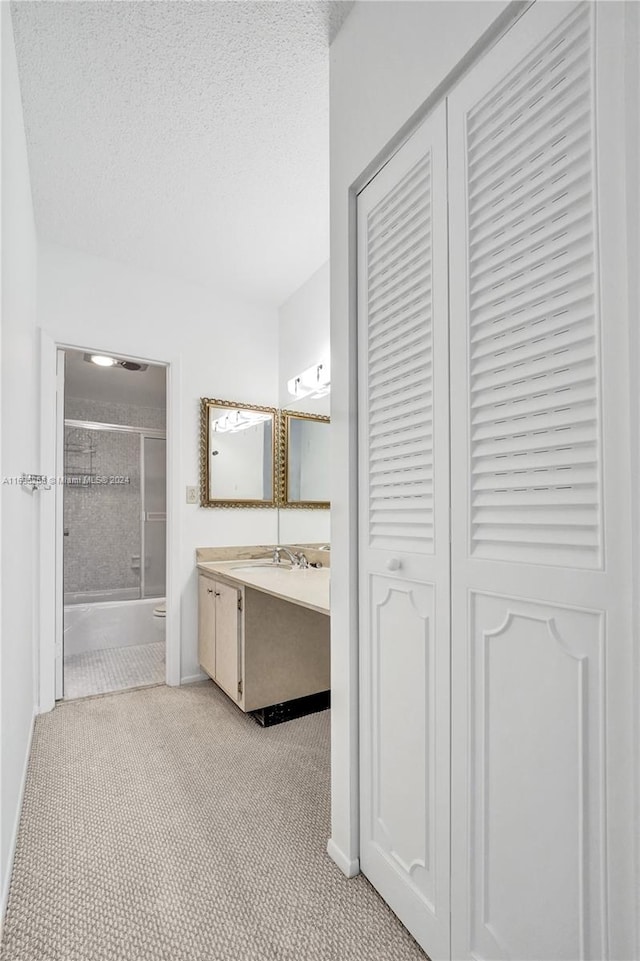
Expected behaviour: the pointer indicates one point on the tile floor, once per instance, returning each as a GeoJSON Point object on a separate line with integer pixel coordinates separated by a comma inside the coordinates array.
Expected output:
{"type": "Point", "coordinates": [117, 669]}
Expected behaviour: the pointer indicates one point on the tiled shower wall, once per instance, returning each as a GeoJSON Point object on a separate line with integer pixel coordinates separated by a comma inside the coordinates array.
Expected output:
{"type": "Point", "coordinates": [102, 520]}
{"type": "Point", "coordinates": [77, 408]}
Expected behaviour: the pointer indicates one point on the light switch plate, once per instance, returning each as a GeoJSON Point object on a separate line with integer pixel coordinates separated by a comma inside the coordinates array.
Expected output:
{"type": "Point", "coordinates": [192, 495]}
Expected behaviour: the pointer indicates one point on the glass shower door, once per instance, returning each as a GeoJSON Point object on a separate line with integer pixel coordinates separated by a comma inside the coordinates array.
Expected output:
{"type": "Point", "coordinates": [154, 516]}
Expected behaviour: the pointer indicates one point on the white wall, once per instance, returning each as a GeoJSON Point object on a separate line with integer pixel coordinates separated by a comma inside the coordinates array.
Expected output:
{"type": "Point", "coordinates": [387, 60]}
{"type": "Point", "coordinates": [304, 330]}
{"type": "Point", "coordinates": [223, 348]}
{"type": "Point", "coordinates": [19, 452]}
{"type": "Point", "coordinates": [632, 90]}
{"type": "Point", "coordinates": [303, 341]}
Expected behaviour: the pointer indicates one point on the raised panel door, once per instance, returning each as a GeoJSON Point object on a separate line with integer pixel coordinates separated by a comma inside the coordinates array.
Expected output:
{"type": "Point", "coordinates": [404, 542]}
{"type": "Point", "coordinates": [541, 638]}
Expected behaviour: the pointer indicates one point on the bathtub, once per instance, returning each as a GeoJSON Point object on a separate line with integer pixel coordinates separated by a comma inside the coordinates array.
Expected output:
{"type": "Point", "coordinates": [96, 625]}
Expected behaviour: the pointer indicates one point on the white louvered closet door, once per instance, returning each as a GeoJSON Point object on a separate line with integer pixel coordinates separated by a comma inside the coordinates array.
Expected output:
{"type": "Point", "coordinates": [541, 637]}
{"type": "Point", "coordinates": [404, 538]}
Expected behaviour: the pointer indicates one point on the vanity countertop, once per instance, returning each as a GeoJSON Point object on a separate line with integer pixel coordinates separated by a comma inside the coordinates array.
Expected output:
{"type": "Point", "coordinates": [307, 588]}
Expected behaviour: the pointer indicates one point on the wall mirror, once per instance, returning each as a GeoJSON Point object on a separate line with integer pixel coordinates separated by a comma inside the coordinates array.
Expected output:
{"type": "Point", "coordinates": [304, 460]}
{"type": "Point", "coordinates": [237, 454]}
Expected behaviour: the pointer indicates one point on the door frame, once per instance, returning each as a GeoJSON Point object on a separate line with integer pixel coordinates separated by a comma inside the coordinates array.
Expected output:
{"type": "Point", "coordinates": [344, 843]}
{"type": "Point", "coordinates": [343, 846]}
{"type": "Point", "coordinates": [49, 542]}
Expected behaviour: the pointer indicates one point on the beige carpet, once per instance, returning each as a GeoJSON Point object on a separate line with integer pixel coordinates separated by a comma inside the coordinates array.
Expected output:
{"type": "Point", "coordinates": [164, 825]}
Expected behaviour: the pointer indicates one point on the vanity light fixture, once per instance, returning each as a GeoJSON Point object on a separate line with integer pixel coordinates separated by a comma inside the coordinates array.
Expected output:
{"type": "Point", "coordinates": [102, 361]}
{"type": "Point", "coordinates": [313, 382]}
{"type": "Point", "coordinates": [237, 420]}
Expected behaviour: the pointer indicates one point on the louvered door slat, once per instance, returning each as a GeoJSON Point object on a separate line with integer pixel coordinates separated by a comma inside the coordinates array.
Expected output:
{"type": "Point", "coordinates": [387, 421]}
{"type": "Point", "coordinates": [505, 333]}
{"type": "Point", "coordinates": [523, 179]}
{"type": "Point", "coordinates": [562, 417]}
{"type": "Point", "coordinates": [407, 325]}
{"type": "Point", "coordinates": [552, 337]}
{"type": "Point", "coordinates": [549, 59]}
{"type": "Point", "coordinates": [399, 374]}
{"type": "Point", "coordinates": [409, 397]}
{"type": "Point", "coordinates": [530, 389]}
{"type": "Point", "coordinates": [568, 497]}
{"type": "Point", "coordinates": [501, 147]}
{"type": "Point", "coordinates": [404, 490]}
{"type": "Point", "coordinates": [492, 251]}
{"type": "Point", "coordinates": [410, 346]}
{"type": "Point", "coordinates": [418, 287]}
{"type": "Point", "coordinates": [409, 442]}
{"type": "Point", "coordinates": [539, 404]}
{"type": "Point", "coordinates": [529, 217]}
{"type": "Point", "coordinates": [394, 275]}
{"type": "Point", "coordinates": [532, 309]}
{"type": "Point", "coordinates": [568, 477]}
{"type": "Point", "coordinates": [539, 491]}
{"type": "Point", "coordinates": [398, 204]}
{"type": "Point", "coordinates": [524, 264]}
{"type": "Point", "coordinates": [520, 167]}
{"type": "Point", "coordinates": [398, 246]}
{"type": "Point", "coordinates": [533, 440]}
{"type": "Point", "coordinates": [547, 364]}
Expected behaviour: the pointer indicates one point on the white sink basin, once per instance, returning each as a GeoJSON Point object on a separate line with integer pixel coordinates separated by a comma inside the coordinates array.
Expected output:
{"type": "Point", "coordinates": [263, 567]}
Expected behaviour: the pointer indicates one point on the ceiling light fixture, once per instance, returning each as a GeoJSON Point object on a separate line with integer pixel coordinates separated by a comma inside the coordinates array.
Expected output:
{"type": "Point", "coordinates": [313, 382]}
{"type": "Point", "coordinates": [102, 361]}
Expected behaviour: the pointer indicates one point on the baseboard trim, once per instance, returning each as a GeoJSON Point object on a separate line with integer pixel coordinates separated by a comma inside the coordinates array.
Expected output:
{"type": "Point", "coordinates": [194, 678]}
{"type": "Point", "coordinates": [14, 836]}
{"type": "Point", "coordinates": [349, 866]}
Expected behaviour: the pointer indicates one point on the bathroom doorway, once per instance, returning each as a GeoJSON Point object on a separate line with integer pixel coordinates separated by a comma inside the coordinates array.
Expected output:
{"type": "Point", "coordinates": [114, 525]}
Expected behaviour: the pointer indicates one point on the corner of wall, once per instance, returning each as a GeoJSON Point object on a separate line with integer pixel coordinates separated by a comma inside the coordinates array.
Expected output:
{"type": "Point", "coordinates": [19, 453]}
{"type": "Point", "coordinates": [13, 839]}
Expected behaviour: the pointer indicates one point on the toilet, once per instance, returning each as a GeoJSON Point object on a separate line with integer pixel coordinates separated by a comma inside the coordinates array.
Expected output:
{"type": "Point", "coordinates": [159, 615]}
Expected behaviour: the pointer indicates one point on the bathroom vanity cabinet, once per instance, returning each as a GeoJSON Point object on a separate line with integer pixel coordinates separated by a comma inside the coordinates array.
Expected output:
{"type": "Point", "coordinates": [219, 633]}
{"type": "Point", "coordinates": [260, 649]}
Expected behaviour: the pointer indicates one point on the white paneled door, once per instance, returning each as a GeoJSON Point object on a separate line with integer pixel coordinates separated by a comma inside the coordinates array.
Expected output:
{"type": "Point", "coordinates": [404, 540]}
{"type": "Point", "coordinates": [541, 638]}
{"type": "Point", "coordinates": [496, 722]}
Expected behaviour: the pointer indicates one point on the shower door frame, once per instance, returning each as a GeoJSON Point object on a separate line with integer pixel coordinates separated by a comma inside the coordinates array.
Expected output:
{"type": "Point", "coordinates": [49, 643]}
{"type": "Point", "coordinates": [143, 433]}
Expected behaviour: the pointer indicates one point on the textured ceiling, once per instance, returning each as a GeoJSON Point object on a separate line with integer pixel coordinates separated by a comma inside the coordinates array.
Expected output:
{"type": "Point", "coordinates": [187, 137]}
{"type": "Point", "coordinates": [113, 385]}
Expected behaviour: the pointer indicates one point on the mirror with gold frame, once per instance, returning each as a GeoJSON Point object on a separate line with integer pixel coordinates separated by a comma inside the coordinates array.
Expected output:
{"type": "Point", "coordinates": [304, 460]}
{"type": "Point", "coordinates": [238, 445]}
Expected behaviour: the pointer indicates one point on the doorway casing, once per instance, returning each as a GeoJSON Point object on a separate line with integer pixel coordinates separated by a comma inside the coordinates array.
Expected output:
{"type": "Point", "coordinates": [51, 527]}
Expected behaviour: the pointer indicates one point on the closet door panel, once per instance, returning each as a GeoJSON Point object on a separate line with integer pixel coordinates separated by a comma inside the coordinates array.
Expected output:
{"type": "Point", "coordinates": [404, 537]}
{"type": "Point", "coordinates": [541, 638]}
{"type": "Point", "coordinates": [535, 679]}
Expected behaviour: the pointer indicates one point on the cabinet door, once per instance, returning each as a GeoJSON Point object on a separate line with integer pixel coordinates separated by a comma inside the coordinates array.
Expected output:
{"type": "Point", "coordinates": [207, 624]}
{"type": "Point", "coordinates": [227, 639]}
{"type": "Point", "coordinates": [542, 708]}
{"type": "Point", "coordinates": [404, 535]}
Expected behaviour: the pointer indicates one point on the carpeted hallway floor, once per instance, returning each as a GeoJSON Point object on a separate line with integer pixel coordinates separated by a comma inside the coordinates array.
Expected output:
{"type": "Point", "coordinates": [164, 825]}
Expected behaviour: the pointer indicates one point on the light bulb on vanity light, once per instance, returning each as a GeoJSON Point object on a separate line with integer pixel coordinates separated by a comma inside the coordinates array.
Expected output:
{"type": "Point", "coordinates": [313, 382]}
{"type": "Point", "coordinates": [237, 420]}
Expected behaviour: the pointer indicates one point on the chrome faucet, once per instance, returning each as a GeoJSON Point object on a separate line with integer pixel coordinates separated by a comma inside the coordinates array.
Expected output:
{"type": "Point", "coordinates": [297, 560]}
